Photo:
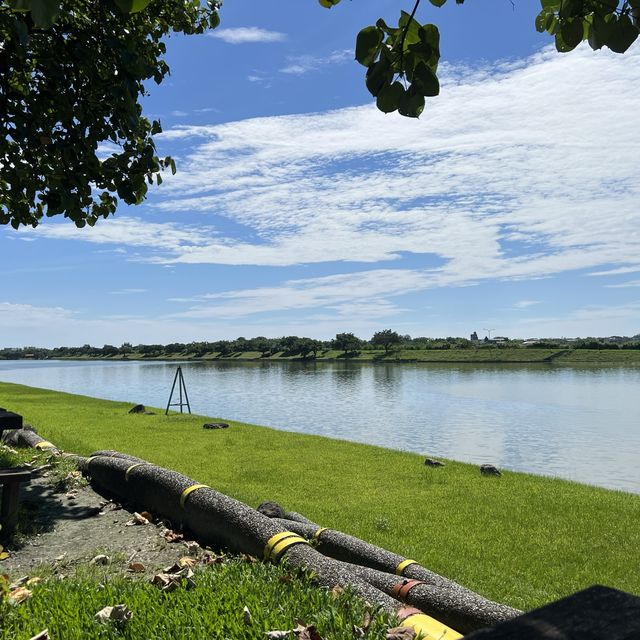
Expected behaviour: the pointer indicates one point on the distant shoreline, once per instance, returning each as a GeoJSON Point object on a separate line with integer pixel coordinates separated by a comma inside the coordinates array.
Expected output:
{"type": "Point", "coordinates": [496, 355]}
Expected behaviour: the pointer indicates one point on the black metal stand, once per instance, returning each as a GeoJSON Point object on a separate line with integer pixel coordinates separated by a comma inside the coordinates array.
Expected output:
{"type": "Point", "coordinates": [182, 391]}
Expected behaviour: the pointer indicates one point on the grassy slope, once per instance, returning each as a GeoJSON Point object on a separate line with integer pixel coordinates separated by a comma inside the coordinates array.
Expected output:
{"type": "Point", "coordinates": [520, 539]}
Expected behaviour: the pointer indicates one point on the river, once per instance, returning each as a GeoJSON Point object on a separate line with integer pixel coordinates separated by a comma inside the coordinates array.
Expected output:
{"type": "Point", "coordinates": [577, 423]}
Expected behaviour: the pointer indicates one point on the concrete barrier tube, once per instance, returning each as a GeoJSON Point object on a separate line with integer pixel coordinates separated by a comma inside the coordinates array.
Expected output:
{"type": "Point", "coordinates": [451, 603]}
{"type": "Point", "coordinates": [29, 438]}
{"type": "Point", "coordinates": [466, 609]}
{"type": "Point", "coordinates": [220, 520]}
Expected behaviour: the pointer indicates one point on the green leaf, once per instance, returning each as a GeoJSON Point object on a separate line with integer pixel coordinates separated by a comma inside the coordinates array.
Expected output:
{"type": "Point", "coordinates": [20, 5]}
{"type": "Point", "coordinates": [44, 12]}
{"type": "Point", "coordinates": [132, 6]}
{"type": "Point", "coordinates": [437, 3]}
{"type": "Point", "coordinates": [623, 35]}
{"type": "Point", "coordinates": [425, 80]}
{"type": "Point", "coordinates": [572, 8]}
{"type": "Point", "coordinates": [368, 44]}
{"type": "Point", "coordinates": [541, 21]}
{"type": "Point", "coordinates": [389, 98]}
{"type": "Point", "coordinates": [379, 74]}
{"type": "Point", "coordinates": [411, 105]}
{"type": "Point", "coordinates": [572, 32]}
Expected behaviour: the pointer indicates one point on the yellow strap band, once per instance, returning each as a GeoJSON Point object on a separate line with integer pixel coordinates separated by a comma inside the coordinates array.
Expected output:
{"type": "Point", "coordinates": [273, 541]}
{"type": "Point", "coordinates": [44, 445]}
{"type": "Point", "coordinates": [430, 628]}
{"type": "Point", "coordinates": [131, 468]}
{"type": "Point", "coordinates": [403, 565]}
{"type": "Point", "coordinates": [316, 535]}
{"type": "Point", "coordinates": [279, 543]}
{"type": "Point", "coordinates": [281, 547]}
{"type": "Point", "coordinates": [189, 490]}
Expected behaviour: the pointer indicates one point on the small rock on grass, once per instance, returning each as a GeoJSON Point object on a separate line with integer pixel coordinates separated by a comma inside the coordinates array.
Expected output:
{"type": "Point", "coordinates": [139, 408]}
{"type": "Point", "coordinates": [489, 470]}
{"type": "Point", "coordinates": [215, 425]}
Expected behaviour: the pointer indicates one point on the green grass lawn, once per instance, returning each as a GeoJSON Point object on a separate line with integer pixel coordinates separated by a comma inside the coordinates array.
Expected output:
{"type": "Point", "coordinates": [521, 539]}
{"type": "Point", "coordinates": [213, 608]}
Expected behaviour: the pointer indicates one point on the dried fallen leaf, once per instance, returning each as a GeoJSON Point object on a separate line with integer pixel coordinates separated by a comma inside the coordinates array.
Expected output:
{"type": "Point", "coordinates": [43, 635]}
{"type": "Point", "coordinates": [100, 559]}
{"type": "Point", "coordinates": [337, 591]}
{"type": "Point", "coordinates": [137, 519]}
{"type": "Point", "coordinates": [278, 634]}
{"type": "Point", "coordinates": [308, 633]}
{"type": "Point", "coordinates": [60, 558]}
{"type": "Point", "coordinates": [192, 547]}
{"type": "Point", "coordinates": [172, 536]}
{"type": "Point", "coordinates": [246, 616]}
{"type": "Point", "coordinates": [118, 613]}
{"type": "Point", "coordinates": [19, 595]}
{"type": "Point", "coordinates": [286, 578]}
{"type": "Point", "coordinates": [147, 515]}
{"type": "Point", "coordinates": [20, 582]}
{"type": "Point", "coordinates": [249, 558]}
{"type": "Point", "coordinates": [137, 567]}
{"type": "Point", "coordinates": [366, 621]}
{"type": "Point", "coordinates": [358, 632]}
{"type": "Point", "coordinates": [34, 580]}
{"type": "Point", "coordinates": [400, 633]}
{"type": "Point", "coordinates": [186, 561]}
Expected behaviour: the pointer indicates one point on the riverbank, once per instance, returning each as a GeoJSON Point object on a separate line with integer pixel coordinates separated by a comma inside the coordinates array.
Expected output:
{"type": "Point", "coordinates": [519, 539]}
{"type": "Point", "coordinates": [479, 355]}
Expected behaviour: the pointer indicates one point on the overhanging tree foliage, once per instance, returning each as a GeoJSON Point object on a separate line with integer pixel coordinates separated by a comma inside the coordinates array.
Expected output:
{"type": "Point", "coordinates": [72, 73]}
{"type": "Point", "coordinates": [402, 61]}
{"type": "Point", "coordinates": [71, 77]}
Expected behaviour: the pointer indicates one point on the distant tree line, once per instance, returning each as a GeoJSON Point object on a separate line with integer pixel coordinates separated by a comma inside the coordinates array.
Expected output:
{"type": "Point", "coordinates": [348, 344]}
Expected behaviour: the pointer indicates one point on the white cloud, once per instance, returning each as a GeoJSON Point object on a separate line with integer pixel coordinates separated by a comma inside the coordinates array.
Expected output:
{"type": "Point", "coordinates": [524, 304]}
{"type": "Point", "coordinates": [299, 65]}
{"type": "Point", "coordinates": [584, 322]}
{"type": "Point", "coordinates": [615, 272]}
{"type": "Point", "coordinates": [133, 232]}
{"type": "Point", "coordinates": [122, 292]}
{"type": "Point", "coordinates": [508, 175]}
{"type": "Point", "coordinates": [343, 294]}
{"type": "Point", "coordinates": [625, 285]}
{"type": "Point", "coordinates": [244, 35]}
{"type": "Point", "coordinates": [29, 316]}
{"type": "Point", "coordinates": [179, 114]}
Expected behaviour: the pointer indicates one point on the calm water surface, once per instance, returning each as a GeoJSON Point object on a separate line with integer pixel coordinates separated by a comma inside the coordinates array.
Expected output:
{"type": "Point", "coordinates": [577, 423]}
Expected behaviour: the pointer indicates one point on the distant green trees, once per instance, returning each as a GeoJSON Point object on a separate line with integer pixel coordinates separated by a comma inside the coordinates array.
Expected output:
{"type": "Point", "coordinates": [386, 339]}
{"type": "Point", "coordinates": [347, 342]}
{"type": "Point", "coordinates": [306, 348]}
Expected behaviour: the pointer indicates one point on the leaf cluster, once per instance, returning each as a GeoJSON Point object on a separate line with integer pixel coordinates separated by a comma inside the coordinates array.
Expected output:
{"type": "Point", "coordinates": [603, 23]}
{"type": "Point", "coordinates": [402, 61]}
{"type": "Point", "coordinates": [72, 73]}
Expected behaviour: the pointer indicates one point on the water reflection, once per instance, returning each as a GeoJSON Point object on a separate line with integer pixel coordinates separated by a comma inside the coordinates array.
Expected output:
{"type": "Point", "coordinates": [579, 423]}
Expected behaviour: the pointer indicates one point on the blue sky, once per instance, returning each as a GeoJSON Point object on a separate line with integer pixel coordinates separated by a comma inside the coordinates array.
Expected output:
{"type": "Point", "coordinates": [512, 204]}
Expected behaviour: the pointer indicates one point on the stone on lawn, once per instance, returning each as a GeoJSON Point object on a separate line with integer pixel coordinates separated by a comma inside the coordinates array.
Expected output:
{"type": "Point", "coordinates": [215, 425]}
{"type": "Point", "coordinates": [489, 470]}
{"type": "Point", "coordinates": [139, 408]}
